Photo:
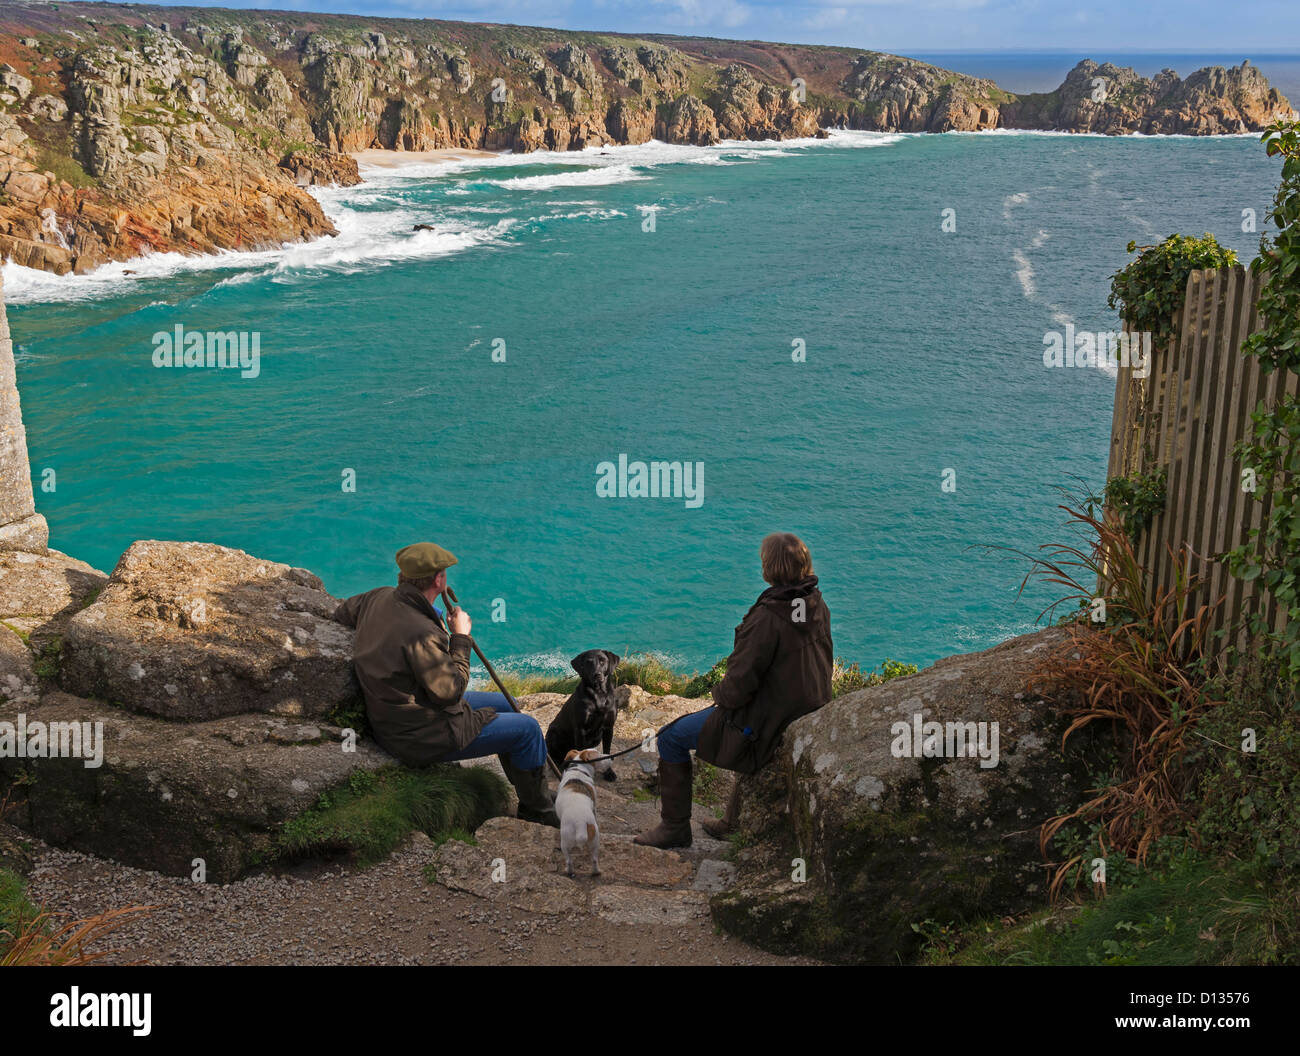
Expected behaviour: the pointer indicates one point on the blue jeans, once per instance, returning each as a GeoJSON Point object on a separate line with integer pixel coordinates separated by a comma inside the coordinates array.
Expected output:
{"type": "Point", "coordinates": [510, 733]}
{"type": "Point", "coordinates": [677, 739]}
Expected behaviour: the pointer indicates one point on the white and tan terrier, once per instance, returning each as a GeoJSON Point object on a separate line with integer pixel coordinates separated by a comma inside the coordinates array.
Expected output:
{"type": "Point", "coordinates": [575, 803]}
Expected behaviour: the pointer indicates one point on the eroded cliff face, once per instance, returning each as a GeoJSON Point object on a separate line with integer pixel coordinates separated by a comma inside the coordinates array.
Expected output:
{"type": "Point", "coordinates": [109, 152]}
{"type": "Point", "coordinates": [900, 95]}
{"type": "Point", "coordinates": [128, 129]}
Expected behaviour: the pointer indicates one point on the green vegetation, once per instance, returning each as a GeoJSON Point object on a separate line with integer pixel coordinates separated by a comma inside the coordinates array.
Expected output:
{"type": "Point", "coordinates": [846, 677]}
{"type": "Point", "coordinates": [1248, 790]}
{"type": "Point", "coordinates": [455, 836]}
{"type": "Point", "coordinates": [705, 786]}
{"type": "Point", "coordinates": [1223, 889]}
{"type": "Point", "coordinates": [64, 166]}
{"type": "Point", "coordinates": [1137, 499]}
{"type": "Point", "coordinates": [16, 910]}
{"type": "Point", "coordinates": [1272, 555]}
{"type": "Point", "coordinates": [524, 685]}
{"type": "Point", "coordinates": [1149, 291]}
{"type": "Point", "coordinates": [375, 810]}
{"type": "Point", "coordinates": [652, 673]}
{"type": "Point", "coordinates": [700, 685]}
{"type": "Point", "coordinates": [649, 671]}
{"type": "Point", "coordinates": [1191, 911]}
{"type": "Point", "coordinates": [30, 935]}
{"type": "Point", "coordinates": [50, 660]}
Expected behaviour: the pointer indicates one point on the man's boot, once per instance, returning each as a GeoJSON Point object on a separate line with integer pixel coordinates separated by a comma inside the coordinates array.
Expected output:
{"type": "Point", "coordinates": [726, 825]}
{"type": "Point", "coordinates": [535, 800]}
{"type": "Point", "coordinates": [674, 807]}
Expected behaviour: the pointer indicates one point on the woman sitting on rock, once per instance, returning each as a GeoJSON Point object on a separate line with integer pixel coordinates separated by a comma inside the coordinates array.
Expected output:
{"type": "Point", "coordinates": [779, 669]}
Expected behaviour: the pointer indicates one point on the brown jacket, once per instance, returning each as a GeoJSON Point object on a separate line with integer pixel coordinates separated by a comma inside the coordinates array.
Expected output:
{"type": "Point", "coordinates": [413, 675]}
{"type": "Point", "coordinates": [779, 669]}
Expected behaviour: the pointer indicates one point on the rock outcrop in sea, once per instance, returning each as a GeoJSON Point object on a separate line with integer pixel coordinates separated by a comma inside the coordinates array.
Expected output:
{"type": "Point", "coordinates": [130, 129]}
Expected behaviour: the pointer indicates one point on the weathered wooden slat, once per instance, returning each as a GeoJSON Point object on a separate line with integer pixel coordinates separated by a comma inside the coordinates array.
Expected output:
{"type": "Point", "coordinates": [1152, 446]}
{"type": "Point", "coordinates": [1123, 423]}
{"type": "Point", "coordinates": [1188, 416]}
{"type": "Point", "coordinates": [1187, 487]}
{"type": "Point", "coordinates": [1160, 539]}
{"type": "Point", "coordinates": [1206, 501]}
{"type": "Point", "coordinates": [1226, 486]}
{"type": "Point", "coordinates": [1253, 513]}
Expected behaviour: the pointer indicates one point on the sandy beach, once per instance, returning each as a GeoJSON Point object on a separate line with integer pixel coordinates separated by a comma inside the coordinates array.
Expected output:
{"type": "Point", "coordinates": [395, 159]}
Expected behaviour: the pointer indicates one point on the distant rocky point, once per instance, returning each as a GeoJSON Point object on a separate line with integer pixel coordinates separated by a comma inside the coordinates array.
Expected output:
{"type": "Point", "coordinates": [126, 129]}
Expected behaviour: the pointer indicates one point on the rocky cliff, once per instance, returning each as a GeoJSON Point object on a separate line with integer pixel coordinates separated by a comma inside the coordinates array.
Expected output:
{"type": "Point", "coordinates": [126, 129]}
{"type": "Point", "coordinates": [1116, 101]}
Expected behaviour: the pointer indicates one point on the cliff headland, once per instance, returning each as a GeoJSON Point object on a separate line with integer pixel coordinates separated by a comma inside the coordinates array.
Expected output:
{"type": "Point", "coordinates": [129, 129]}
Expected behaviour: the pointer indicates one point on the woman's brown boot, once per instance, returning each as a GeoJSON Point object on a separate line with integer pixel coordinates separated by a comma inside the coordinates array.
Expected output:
{"type": "Point", "coordinates": [674, 808]}
{"type": "Point", "coordinates": [726, 825]}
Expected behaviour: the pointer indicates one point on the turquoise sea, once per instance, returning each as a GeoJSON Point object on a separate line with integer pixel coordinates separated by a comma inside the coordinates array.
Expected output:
{"type": "Point", "coordinates": [923, 354]}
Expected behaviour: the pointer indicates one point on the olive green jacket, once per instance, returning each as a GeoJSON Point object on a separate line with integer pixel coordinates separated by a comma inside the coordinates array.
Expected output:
{"type": "Point", "coordinates": [413, 675]}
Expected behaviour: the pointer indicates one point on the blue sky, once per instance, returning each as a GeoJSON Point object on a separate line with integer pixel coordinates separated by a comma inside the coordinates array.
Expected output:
{"type": "Point", "coordinates": [1115, 26]}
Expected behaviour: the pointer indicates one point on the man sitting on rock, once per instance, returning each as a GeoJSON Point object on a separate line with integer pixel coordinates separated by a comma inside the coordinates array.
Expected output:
{"type": "Point", "coordinates": [413, 671]}
{"type": "Point", "coordinates": [779, 669]}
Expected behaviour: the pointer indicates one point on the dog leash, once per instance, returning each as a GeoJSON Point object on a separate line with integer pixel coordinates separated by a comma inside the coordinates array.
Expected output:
{"type": "Point", "coordinates": [635, 747]}
{"type": "Point", "coordinates": [450, 600]}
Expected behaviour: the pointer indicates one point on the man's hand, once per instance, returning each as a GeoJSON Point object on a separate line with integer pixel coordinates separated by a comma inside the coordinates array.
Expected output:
{"type": "Point", "coordinates": [459, 621]}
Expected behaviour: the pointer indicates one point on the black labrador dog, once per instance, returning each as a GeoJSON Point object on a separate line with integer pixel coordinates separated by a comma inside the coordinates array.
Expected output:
{"type": "Point", "coordinates": [588, 715]}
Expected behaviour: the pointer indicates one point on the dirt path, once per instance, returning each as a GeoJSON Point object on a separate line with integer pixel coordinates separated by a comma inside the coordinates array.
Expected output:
{"type": "Point", "coordinates": [647, 907]}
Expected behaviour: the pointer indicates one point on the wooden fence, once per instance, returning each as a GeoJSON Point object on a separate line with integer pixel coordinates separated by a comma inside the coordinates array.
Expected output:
{"type": "Point", "coordinates": [1186, 416]}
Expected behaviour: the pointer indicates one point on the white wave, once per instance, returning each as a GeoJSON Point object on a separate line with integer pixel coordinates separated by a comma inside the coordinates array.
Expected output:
{"type": "Point", "coordinates": [581, 214]}
{"type": "Point", "coordinates": [370, 236]}
{"type": "Point", "coordinates": [639, 155]}
{"type": "Point", "coordinates": [1024, 274]}
{"type": "Point", "coordinates": [1019, 198]}
{"type": "Point", "coordinates": [550, 662]}
{"type": "Point", "coordinates": [600, 176]}
{"type": "Point", "coordinates": [240, 279]}
{"type": "Point", "coordinates": [1111, 370]}
{"type": "Point", "coordinates": [553, 662]}
{"type": "Point", "coordinates": [364, 239]}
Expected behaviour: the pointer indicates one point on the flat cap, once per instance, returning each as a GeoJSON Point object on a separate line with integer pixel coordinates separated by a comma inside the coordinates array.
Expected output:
{"type": "Point", "coordinates": [424, 559]}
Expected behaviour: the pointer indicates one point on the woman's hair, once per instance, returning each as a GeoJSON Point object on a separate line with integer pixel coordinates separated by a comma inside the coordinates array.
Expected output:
{"type": "Point", "coordinates": [785, 559]}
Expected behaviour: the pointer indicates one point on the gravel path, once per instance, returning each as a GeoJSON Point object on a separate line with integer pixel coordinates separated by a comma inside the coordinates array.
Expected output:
{"type": "Point", "coordinates": [388, 914]}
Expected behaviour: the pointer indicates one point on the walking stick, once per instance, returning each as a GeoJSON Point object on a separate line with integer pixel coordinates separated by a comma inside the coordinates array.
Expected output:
{"type": "Point", "coordinates": [449, 599]}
